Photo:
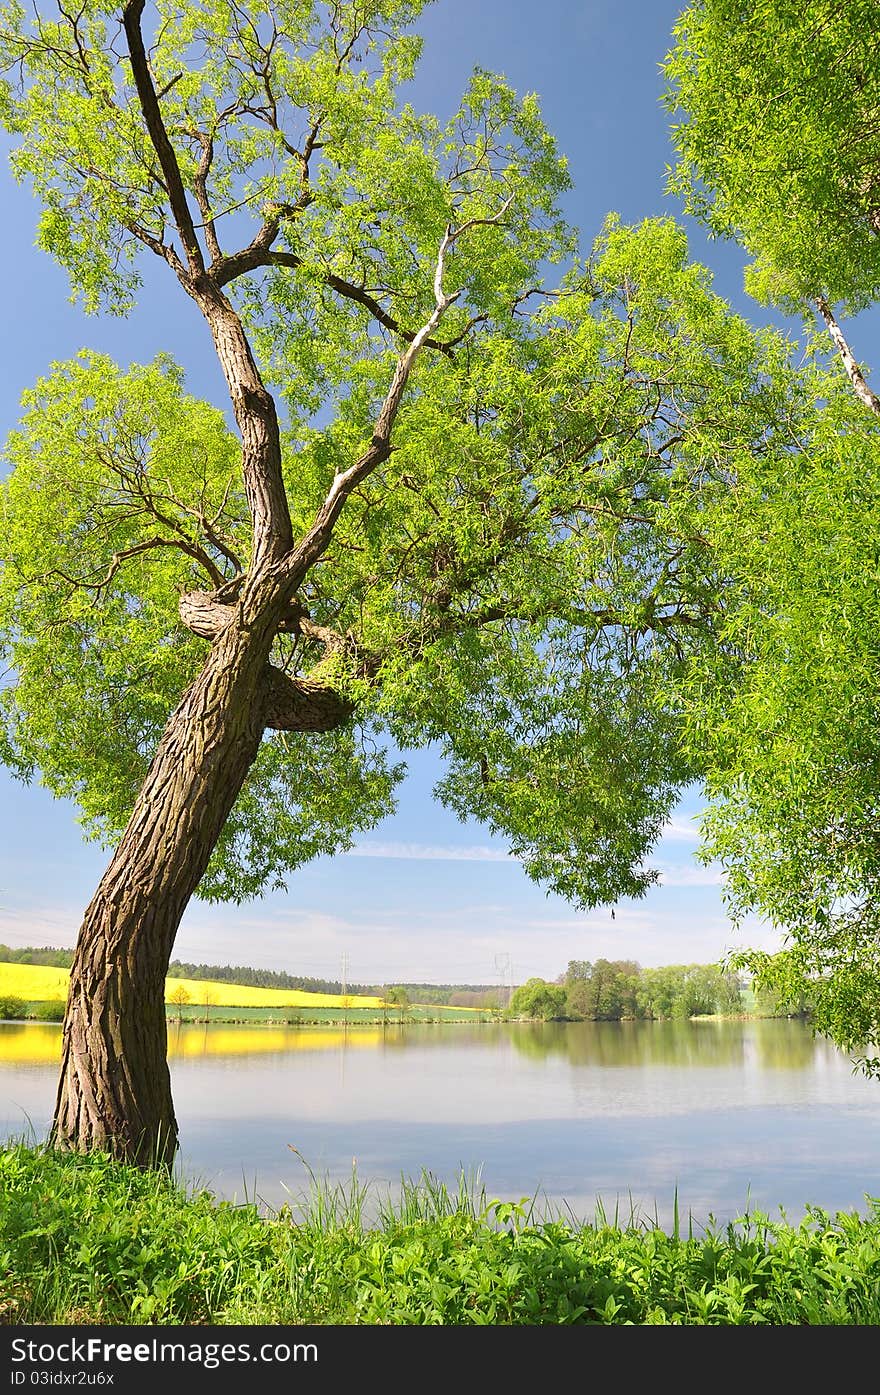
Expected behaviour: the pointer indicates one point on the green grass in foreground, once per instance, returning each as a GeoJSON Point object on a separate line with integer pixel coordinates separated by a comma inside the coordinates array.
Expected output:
{"type": "Point", "coordinates": [86, 1240]}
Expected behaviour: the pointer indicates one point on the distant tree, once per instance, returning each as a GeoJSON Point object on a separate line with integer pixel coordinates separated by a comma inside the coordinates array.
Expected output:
{"type": "Point", "coordinates": [397, 996]}
{"type": "Point", "coordinates": [537, 998]}
{"type": "Point", "coordinates": [579, 1000]}
{"type": "Point", "coordinates": [604, 991]}
{"type": "Point", "coordinates": [578, 971]}
{"type": "Point", "coordinates": [179, 997]}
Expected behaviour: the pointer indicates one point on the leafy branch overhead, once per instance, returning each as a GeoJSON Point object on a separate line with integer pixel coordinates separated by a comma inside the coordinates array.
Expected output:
{"type": "Point", "coordinates": [778, 133]}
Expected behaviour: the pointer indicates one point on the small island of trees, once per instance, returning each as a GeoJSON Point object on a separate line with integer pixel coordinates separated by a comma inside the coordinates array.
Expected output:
{"type": "Point", "coordinates": [618, 989]}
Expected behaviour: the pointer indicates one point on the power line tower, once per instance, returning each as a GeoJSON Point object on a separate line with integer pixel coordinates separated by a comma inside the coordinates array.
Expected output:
{"type": "Point", "coordinates": [504, 970]}
{"type": "Point", "coordinates": [345, 989]}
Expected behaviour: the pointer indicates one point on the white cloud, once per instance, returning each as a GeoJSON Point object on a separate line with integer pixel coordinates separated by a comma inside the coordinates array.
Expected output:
{"type": "Point", "coordinates": [684, 831]}
{"type": "Point", "coordinates": [433, 852]}
{"type": "Point", "coordinates": [40, 925]}
{"type": "Point", "coordinates": [689, 875]}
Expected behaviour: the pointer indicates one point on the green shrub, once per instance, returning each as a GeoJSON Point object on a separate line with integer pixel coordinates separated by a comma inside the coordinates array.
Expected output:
{"type": "Point", "coordinates": [49, 1012]}
{"type": "Point", "coordinates": [11, 1008]}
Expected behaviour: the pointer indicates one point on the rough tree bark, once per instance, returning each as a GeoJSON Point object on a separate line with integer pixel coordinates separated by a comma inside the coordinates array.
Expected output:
{"type": "Point", "coordinates": [114, 1093]}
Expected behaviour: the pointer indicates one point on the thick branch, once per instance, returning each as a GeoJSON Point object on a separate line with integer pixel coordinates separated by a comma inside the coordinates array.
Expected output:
{"type": "Point", "coordinates": [854, 372]}
{"type": "Point", "coordinates": [201, 186]}
{"type": "Point", "coordinates": [304, 556]}
{"type": "Point", "coordinates": [203, 614]}
{"type": "Point", "coordinates": [131, 17]}
{"type": "Point", "coordinates": [300, 704]}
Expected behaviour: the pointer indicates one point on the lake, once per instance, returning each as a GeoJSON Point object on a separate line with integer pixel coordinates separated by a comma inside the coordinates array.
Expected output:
{"type": "Point", "coordinates": [733, 1115]}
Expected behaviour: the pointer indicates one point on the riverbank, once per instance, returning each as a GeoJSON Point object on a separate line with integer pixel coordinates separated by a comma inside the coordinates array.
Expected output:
{"type": "Point", "coordinates": [85, 1240]}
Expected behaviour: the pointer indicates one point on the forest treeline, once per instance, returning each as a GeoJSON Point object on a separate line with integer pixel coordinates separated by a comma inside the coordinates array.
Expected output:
{"type": "Point", "coordinates": [602, 991]}
{"type": "Point", "coordinates": [611, 990]}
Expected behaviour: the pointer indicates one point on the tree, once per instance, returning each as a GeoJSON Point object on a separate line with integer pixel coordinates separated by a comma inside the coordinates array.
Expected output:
{"type": "Point", "coordinates": [180, 997]}
{"type": "Point", "coordinates": [457, 507]}
{"type": "Point", "coordinates": [604, 991]}
{"type": "Point", "coordinates": [789, 728]}
{"type": "Point", "coordinates": [398, 997]}
{"type": "Point", "coordinates": [537, 998]}
{"type": "Point", "coordinates": [780, 146]}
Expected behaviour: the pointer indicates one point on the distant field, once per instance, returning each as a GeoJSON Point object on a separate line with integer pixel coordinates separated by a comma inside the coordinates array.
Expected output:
{"type": "Point", "coordinates": [39, 983]}
{"type": "Point", "coordinates": [35, 983]}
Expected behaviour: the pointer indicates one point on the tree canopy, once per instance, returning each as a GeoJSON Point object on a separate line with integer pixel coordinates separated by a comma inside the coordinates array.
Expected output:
{"type": "Point", "coordinates": [518, 581]}
{"type": "Point", "coordinates": [779, 136]}
{"type": "Point", "coordinates": [779, 145]}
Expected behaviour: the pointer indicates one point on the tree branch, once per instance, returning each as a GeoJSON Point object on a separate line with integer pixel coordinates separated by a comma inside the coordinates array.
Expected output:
{"type": "Point", "coordinates": [206, 141]}
{"type": "Point", "coordinates": [259, 253]}
{"type": "Point", "coordinates": [202, 613]}
{"type": "Point", "coordinates": [853, 371]}
{"type": "Point", "coordinates": [131, 18]}
{"type": "Point", "coordinates": [124, 555]}
{"type": "Point", "coordinates": [301, 704]}
{"type": "Point", "coordinates": [306, 553]}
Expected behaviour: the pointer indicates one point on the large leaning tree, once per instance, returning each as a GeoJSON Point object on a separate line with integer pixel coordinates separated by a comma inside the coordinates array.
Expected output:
{"type": "Point", "coordinates": [460, 503]}
{"type": "Point", "coordinates": [778, 128]}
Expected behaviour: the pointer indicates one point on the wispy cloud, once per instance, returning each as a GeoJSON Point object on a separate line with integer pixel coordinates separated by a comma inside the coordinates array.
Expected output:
{"type": "Point", "coordinates": [689, 875]}
{"type": "Point", "coordinates": [682, 830]}
{"type": "Point", "coordinates": [433, 852]}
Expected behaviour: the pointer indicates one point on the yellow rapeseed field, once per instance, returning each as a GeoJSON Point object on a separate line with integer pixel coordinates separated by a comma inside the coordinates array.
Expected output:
{"type": "Point", "coordinates": [35, 983]}
{"type": "Point", "coordinates": [38, 983]}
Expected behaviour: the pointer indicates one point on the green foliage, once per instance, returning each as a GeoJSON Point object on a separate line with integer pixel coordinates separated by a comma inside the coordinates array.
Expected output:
{"type": "Point", "coordinates": [537, 998]}
{"type": "Point", "coordinates": [524, 578]}
{"type": "Point", "coordinates": [49, 1012]}
{"type": "Point", "coordinates": [689, 990]}
{"type": "Point", "coordinates": [398, 997]}
{"type": "Point", "coordinates": [46, 954]}
{"type": "Point", "coordinates": [12, 1008]}
{"type": "Point", "coordinates": [89, 1240]}
{"type": "Point", "coordinates": [614, 990]}
{"type": "Point", "coordinates": [788, 727]}
{"type": "Point", "coordinates": [604, 991]}
{"type": "Point", "coordinates": [780, 141]}
{"type": "Point", "coordinates": [96, 645]}
{"type": "Point", "coordinates": [779, 148]}
{"type": "Point", "coordinates": [527, 566]}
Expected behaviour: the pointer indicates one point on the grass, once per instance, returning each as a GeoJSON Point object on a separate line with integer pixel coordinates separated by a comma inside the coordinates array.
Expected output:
{"type": "Point", "coordinates": [87, 1240]}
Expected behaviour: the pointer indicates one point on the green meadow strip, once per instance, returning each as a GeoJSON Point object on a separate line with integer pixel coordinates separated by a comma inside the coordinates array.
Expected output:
{"type": "Point", "coordinates": [85, 1240]}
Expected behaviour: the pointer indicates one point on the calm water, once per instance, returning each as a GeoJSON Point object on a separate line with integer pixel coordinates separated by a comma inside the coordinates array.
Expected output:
{"type": "Point", "coordinates": [731, 1113]}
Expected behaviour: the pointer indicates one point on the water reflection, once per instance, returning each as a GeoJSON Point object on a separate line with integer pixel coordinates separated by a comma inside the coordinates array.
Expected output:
{"type": "Point", "coordinates": [26, 1043]}
{"type": "Point", "coordinates": [29, 1043]}
{"type": "Point", "coordinates": [776, 1044]}
{"type": "Point", "coordinates": [706, 1045]}
{"type": "Point", "coordinates": [717, 1111]}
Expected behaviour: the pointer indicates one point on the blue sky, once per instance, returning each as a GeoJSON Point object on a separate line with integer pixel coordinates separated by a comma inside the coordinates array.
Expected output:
{"type": "Point", "coordinates": [423, 897]}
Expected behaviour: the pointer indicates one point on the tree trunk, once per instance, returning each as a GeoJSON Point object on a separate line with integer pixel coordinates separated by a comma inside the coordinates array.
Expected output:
{"type": "Point", "coordinates": [114, 1093]}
